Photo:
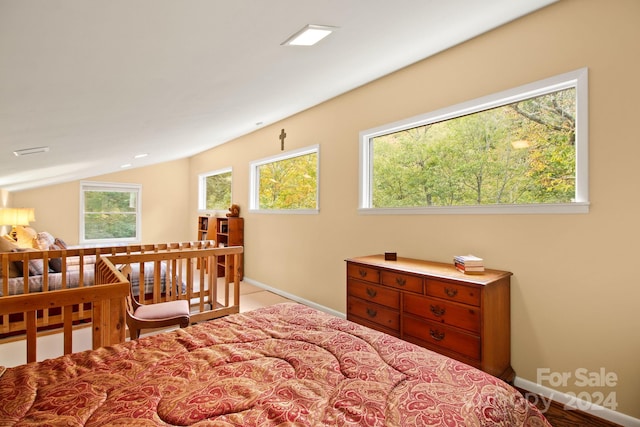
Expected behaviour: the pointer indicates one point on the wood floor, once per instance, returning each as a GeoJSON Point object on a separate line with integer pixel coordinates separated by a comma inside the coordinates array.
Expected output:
{"type": "Point", "coordinates": [559, 417]}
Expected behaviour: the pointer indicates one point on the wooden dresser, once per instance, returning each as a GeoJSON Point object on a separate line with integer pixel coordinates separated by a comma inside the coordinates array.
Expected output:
{"type": "Point", "coordinates": [463, 316]}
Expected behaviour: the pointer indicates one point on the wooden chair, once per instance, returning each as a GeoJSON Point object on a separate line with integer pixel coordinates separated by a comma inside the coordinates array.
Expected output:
{"type": "Point", "coordinates": [159, 315]}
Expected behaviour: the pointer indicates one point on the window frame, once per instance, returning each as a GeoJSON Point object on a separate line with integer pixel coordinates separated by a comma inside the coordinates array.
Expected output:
{"type": "Point", "coordinates": [202, 189]}
{"type": "Point", "coordinates": [577, 79]}
{"type": "Point", "coordinates": [111, 186]}
{"type": "Point", "coordinates": [254, 181]}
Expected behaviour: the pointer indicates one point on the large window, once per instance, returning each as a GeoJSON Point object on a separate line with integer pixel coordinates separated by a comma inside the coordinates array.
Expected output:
{"type": "Point", "coordinates": [110, 212]}
{"type": "Point", "coordinates": [215, 190]}
{"type": "Point", "coordinates": [286, 183]}
{"type": "Point", "coordinates": [519, 151]}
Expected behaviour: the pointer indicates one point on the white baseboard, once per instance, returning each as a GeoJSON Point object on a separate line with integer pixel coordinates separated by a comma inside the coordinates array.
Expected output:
{"type": "Point", "coordinates": [294, 297]}
{"type": "Point", "coordinates": [572, 402]}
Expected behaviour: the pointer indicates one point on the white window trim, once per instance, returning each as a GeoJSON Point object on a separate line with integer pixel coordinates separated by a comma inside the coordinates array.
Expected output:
{"type": "Point", "coordinates": [577, 79]}
{"type": "Point", "coordinates": [113, 186]}
{"type": "Point", "coordinates": [254, 181]}
{"type": "Point", "coordinates": [202, 189]}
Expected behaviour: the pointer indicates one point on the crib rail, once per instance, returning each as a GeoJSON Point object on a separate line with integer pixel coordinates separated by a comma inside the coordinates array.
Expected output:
{"type": "Point", "coordinates": [183, 279]}
{"type": "Point", "coordinates": [103, 301]}
{"type": "Point", "coordinates": [108, 312]}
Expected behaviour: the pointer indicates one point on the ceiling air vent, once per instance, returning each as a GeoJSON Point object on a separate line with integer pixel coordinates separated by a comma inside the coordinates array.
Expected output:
{"type": "Point", "coordinates": [27, 151]}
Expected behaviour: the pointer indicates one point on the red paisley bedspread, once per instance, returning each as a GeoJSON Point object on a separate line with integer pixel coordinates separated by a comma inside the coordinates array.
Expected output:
{"type": "Point", "coordinates": [285, 365]}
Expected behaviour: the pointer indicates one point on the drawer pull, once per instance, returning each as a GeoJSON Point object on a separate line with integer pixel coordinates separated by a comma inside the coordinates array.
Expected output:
{"type": "Point", "coordinates": [372, 292]}
{"type": "Point", "coordinates": [436, 335]}
{"type": "Point", "coordinates": [371, 312]}
{"type": "Point", "coordinates": [437, 310]}
{"type": "Point", "coordinates": [400, 281]}
{"type": "Point", "coordinates": [362, 272]}
{"type": "Point", "coordinates": [451, 292]}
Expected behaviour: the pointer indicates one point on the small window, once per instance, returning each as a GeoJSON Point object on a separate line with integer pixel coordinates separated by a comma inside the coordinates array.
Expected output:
{"type": "Point", "coordinates": [215, 190]}
{"type": "Point", "coordinates": [110, 212]}
{"type": "Point", "coordinates": [286, 183]}
{"type": "Point", "coordinates": [518, 151]}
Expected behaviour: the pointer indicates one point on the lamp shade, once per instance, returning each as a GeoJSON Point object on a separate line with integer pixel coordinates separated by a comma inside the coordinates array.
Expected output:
{"type": "Point", "coordinates": [16, 216]}
{"type": "Point", "coordinates": [31, 214]}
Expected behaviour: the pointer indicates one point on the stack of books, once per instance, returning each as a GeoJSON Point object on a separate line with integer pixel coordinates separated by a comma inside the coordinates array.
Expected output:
{"type": "Point", "coordinates": [469, 264]}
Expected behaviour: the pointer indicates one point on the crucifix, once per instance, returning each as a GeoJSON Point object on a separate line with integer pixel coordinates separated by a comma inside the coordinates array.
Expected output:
{"type": "Point", "coordinates": [282, 137]}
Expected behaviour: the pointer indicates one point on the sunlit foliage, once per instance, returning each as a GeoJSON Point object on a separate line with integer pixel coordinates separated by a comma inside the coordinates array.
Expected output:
{"type": "Point", "coordinates": [289, 183]}
{"type": "Point", "coordinates": [520, 153]}
{"type": "Point", "coordinates": [109, 215]}
{"type": "Point", "coordinates": [218, 191]}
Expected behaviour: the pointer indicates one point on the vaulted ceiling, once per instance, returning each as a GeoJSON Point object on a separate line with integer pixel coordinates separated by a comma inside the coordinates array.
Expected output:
{"type": "Point", "coordinates": [99, 82]}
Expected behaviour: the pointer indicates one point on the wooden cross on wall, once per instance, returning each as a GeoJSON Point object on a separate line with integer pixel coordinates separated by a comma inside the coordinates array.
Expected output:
{"type": "Point", "coordinates": [282, 136]}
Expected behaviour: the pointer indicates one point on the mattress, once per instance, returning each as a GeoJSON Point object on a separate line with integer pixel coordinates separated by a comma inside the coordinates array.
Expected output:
{"type": "Point", "coordinates": [16, 284]}
{"type": "Point", "coordinates": [283, 365]}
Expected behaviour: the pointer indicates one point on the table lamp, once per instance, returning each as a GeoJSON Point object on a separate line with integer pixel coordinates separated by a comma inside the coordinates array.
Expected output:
{"type": "Point", "coordinates": [15, 217]}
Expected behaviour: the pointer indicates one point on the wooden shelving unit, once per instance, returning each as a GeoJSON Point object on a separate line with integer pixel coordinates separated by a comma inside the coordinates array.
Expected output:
{"type": "Point", "coordinates": [230, 232]}
{"type": "Point", "coordinates": [226, 231]}
{"type": "Point", "coordinates": [203, 227]}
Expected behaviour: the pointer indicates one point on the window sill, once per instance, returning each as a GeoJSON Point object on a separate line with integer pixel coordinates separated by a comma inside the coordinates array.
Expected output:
{"type": "Point", "coordinates": [286, 211]}
{"type": "Point", "coordinates": [530, 209]}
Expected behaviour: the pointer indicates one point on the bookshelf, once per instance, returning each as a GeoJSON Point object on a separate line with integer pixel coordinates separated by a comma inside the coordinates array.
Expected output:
{"type": "Point", "coordinates": [226, 231]}
{"type": "Point", "coordinates": [203, 227]}
{"type": "Point", "coordinates": [229, 231]}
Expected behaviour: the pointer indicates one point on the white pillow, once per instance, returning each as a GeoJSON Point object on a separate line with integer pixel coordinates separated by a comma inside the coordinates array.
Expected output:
{"type": "Point", "coordinates": [44, 240]}
{"type": "Point", "coordinates": [26, 237]}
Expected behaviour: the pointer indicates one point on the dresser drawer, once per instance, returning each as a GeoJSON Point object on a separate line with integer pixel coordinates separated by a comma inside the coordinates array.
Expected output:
{"type": "Point", "coordinates": [454, 292]}
{"type": "Point", "coordinates": [443, 336]}
{"type": "Point", "coordinates": [378, 294]}
{"type": "Point", "coordinates": [363, 273]}
{"type": "Point", "coordinates": [448, 313]}
{"type": "Point", "coordinates": [405, 282]}
{"type": "Point", "coordinates": [373, 312]}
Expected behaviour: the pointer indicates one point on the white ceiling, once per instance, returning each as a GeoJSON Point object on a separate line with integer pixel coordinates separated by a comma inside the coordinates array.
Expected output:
{"type": "Point", "coordinates": [103, 80]}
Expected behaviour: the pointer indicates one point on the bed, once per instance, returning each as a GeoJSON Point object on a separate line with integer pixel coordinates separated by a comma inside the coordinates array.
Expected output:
{"type": "Point", "coordinates": [285, 365]}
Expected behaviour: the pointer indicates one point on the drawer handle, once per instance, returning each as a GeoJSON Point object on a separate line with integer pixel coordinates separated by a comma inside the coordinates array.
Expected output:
{"type": "Point", "coordinates": [437, 310]}
{"type": "Point", "coordinates": [400, 281]}
{"type": "Point", "coordinates": [362, 273]}
{"type": "Point", "coordinates": [372, 292]}
{"type": "Point", "coordinates": [452, 292]}
{"type": "Point", "coordinates": [436, 335]}
{"type": "Point", "coordinates": [371, 312]}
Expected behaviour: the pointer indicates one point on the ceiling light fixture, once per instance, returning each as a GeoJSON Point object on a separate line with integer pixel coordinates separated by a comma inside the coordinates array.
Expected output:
{"type": "Point", "coordinates": [140, 156]}
{"type": "Point", "coordinates": [309, 35]}
{"type": "Point", "coordinates": [27, 151]}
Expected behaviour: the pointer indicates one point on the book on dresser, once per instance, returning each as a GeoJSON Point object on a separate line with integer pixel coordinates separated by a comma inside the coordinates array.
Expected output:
{"type": "Point", "coordinates": [434, 305]}
{"type": "Point", "coordinates": [470, 264]}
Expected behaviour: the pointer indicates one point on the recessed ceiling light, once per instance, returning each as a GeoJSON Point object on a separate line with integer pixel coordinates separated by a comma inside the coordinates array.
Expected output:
{"type": "Point", "coordinates": [140, 156]}
{"type": "Point", "coordinates": [126, 165]}
{"type": "Point", "coordinates": [309, 35]}
{"type": "Point", "coordinates": [27, 151]}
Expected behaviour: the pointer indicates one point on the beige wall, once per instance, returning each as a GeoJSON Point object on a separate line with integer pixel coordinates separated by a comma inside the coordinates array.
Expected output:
{"type": "Point", "coordinates": [165, 217]}
{"type": "Point", "coordinates": [575, 302]}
